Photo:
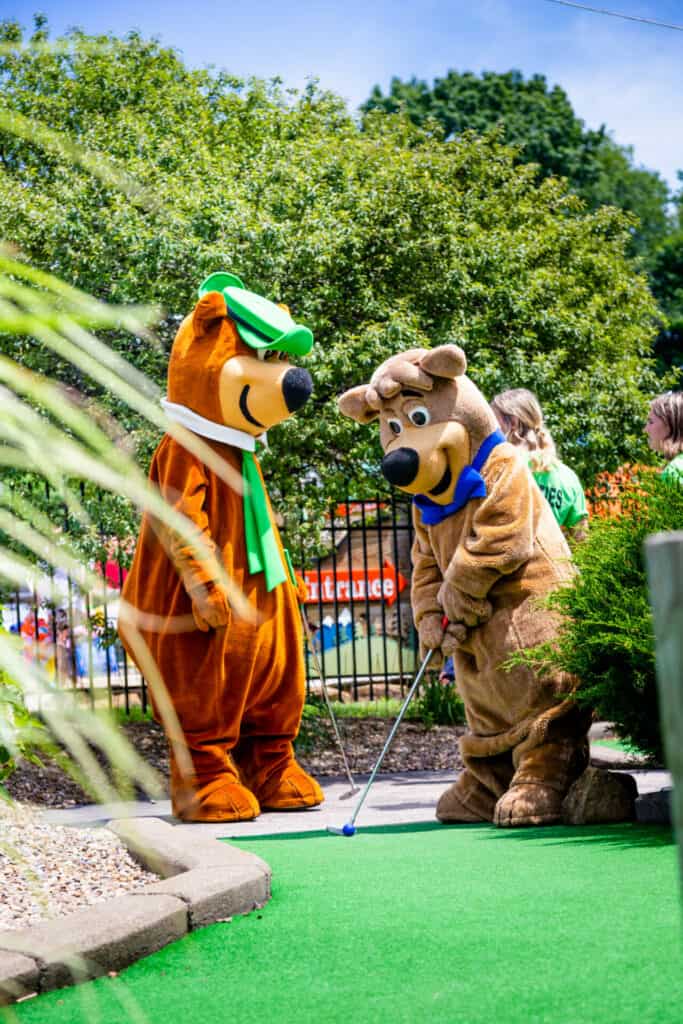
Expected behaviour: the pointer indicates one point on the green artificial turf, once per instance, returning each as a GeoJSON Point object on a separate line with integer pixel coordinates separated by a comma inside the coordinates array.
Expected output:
{"type": "Point", "coordinates": [424, 924]}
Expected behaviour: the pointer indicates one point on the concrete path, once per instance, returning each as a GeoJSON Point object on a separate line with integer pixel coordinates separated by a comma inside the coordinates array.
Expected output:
{"type": "Point", "coordinates": [396, 799]}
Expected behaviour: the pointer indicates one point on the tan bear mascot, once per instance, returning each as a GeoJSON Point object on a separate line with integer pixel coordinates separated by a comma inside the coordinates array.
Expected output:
{"type": "Point", "coordinates": [237, 686]}
{"type": "Point", "coordinates": [486, 548]}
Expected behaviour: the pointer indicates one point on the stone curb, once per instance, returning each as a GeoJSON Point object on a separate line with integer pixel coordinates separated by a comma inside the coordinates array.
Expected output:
{"type": "Point", "coordinates": [204, 881]}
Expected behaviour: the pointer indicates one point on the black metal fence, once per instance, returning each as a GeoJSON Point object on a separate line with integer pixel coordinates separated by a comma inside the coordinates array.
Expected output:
{"type": "Point", "coordinates": [361, 635]}
{"type": "Point", "coordinates": [363, 639]}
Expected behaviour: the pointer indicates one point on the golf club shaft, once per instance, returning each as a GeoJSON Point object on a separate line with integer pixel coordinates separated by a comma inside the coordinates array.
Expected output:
{"type": "Point", "coordinates": [323, 686]}
{"type": "Point", "coordinates": [406, 702]}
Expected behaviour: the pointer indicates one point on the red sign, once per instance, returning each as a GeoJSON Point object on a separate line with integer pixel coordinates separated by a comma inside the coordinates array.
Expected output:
{"type": "Point", "coordinates": [358, 585]}
{"type": "Point", "coordinates": [356, 509]}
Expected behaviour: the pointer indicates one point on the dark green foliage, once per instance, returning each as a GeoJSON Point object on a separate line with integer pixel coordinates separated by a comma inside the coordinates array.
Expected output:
{"type": "Point", "coordinates": [666, 275]}
{"type": "Point", "coordinates": [540, 122]}
{"type": "Point", "coordinates": [311, 730]}
{"type": "Point", "coordinates": [21, 734]}
{"type": "Point", "coordinates": [438, 704]}
{"type": "Point", "coordinates": [608, 640]}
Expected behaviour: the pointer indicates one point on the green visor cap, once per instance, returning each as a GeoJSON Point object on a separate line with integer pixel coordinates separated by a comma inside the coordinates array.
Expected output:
{"type": "Point", "coordinates": [259, 322]}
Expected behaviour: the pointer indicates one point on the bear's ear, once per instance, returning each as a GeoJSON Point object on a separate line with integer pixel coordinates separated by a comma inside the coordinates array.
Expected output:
{"type": "Point", "coordinates": [447, 361]}
{"type": "Point", "coordinates": [354, 403]}
{"type": "Point", "coordinates": [208, 312]}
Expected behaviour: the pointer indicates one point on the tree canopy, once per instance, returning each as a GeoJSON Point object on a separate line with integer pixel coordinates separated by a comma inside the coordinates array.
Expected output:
{"type": "Point", "coordinates": [540, 122]}
{"type": "Point", "coordinates": [666, 280]}
{"type": "Point", "coordinates": [379, 238]}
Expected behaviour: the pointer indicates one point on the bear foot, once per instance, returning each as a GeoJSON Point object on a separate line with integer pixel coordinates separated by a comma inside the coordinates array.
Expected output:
{"type": "Point", "coordinates": [528, 804]}
{"type": "Point", "coordinates": [221, 799]}
{"type": "Point", "coordinates": [450, 810]}
{"type": "Point", "coordinates": [291, 789]}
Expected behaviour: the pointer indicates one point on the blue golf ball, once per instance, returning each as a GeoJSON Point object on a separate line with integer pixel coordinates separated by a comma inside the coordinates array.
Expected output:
{"type": "Point", "coordinates": [349, 830]}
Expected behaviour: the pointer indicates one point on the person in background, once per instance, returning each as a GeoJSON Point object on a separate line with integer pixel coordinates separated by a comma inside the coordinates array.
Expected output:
{"type": "Point", "coordinates": [447, 674]}
{"type": "Point", "coordinates": [664, 429]}
{"type": "Point", "coordinates": [521, 419]}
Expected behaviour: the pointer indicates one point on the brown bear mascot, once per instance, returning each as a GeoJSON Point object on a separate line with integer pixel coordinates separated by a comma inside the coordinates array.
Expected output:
{"type": "Point", "coordinates": [486, 548]}
{"type": "Point", "coordinates": [236, 684]}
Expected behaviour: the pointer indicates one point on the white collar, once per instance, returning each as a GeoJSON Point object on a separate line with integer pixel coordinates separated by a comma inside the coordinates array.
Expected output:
{"type": "Point", "coordinates": [207, 428]}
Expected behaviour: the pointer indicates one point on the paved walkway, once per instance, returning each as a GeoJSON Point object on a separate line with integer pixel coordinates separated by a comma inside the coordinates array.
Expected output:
{"type": "Point", "coordinates": [400, 798]}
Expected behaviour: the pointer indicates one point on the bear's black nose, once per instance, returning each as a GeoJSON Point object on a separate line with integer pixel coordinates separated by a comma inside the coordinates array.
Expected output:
{"type": "Point", "coordinates": [400, 467]}
{"type": "Point", "coordinates": [297, 388]}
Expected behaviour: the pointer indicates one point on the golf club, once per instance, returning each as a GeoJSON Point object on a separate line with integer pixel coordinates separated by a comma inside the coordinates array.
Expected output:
{"type": "Point", "coordinates": [323, 684]}
{"type": "Point", "coordinates": [316, 660]}
{"type": "Point", "coordinates": [349, 829]}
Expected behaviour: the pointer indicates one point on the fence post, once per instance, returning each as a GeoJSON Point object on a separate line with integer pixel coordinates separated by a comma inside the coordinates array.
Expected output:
{"type": "Point", "coordinates": [664, 560]}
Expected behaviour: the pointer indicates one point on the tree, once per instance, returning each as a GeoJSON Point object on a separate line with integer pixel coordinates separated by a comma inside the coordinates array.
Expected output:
{"type": "Point", "coordinates": [666, 276]}
{"type": "Point", "coordinates": [379, 239]}
{"type": "Point", "coordinates": [541, 123]}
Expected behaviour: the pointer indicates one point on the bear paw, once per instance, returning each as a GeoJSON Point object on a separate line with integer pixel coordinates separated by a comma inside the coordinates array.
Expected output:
{"type": "Point", "coordinates": [450, 810]}
{"type": "Point", "coordinates": [221, 799]}
{"type": "Point", "coordinates": [290, 790]}
{"type": "Point", "coordinates": [528, 804]}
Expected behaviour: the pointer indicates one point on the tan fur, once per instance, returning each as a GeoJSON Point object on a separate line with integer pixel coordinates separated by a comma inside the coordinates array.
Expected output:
{"type": "Point", "coordinates": [487, 567]}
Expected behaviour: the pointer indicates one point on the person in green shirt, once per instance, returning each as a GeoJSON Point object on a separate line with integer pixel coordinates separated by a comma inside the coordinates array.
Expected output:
{"type": "Point", "coordinates": [521, 419]}
{"type": "Point", "coordinates": [664, 429]}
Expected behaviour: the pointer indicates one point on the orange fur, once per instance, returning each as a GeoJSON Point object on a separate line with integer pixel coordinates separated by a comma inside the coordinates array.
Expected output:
{"type": "Point", "coordinates": [236, 686]}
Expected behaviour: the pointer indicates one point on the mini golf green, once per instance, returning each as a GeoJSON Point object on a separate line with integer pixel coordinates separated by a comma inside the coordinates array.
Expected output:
{"type": "Point", "coordinates": [421, 924]}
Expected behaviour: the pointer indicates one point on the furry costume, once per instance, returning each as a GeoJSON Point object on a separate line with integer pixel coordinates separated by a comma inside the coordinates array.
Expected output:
{"type": "Point", "coordinates": [237, 686]}
{"type": "Point", "coordinates": [487, 546]}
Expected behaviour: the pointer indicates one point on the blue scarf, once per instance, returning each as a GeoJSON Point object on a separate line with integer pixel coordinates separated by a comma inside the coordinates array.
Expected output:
{"type": "Point", "coordinates": [470, 484]}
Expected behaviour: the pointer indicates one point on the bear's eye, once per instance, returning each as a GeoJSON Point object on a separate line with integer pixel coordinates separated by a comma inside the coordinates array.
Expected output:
{"type": "Point", "coordinates": [268, 355]}
{"type": "Point", "coordinates": [283, 356]}
{"type": "Point", "coordinates": [420, 416]}
{"type": "Point", "coordinates": [395, 426]}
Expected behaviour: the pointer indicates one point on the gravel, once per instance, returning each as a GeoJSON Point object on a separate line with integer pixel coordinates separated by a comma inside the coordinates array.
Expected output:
{"type": "Point", "coordinates": [47, 871]}
{"type": "Point", "coordinates": [414, 748]}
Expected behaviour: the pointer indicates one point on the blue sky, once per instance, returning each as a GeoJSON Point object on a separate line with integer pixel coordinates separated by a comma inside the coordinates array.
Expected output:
{"type": "Point", "coordinates": [626, 75]}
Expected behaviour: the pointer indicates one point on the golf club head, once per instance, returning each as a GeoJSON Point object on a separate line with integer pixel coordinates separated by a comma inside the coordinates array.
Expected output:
{"type": "Point", "coordinates": [346, 830]}
{"type": "Point", "coordinates": [351, 792]}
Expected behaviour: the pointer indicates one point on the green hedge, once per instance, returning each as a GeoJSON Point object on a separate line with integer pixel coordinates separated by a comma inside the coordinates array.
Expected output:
{"type": "Point", "coordinates": [608, 640]}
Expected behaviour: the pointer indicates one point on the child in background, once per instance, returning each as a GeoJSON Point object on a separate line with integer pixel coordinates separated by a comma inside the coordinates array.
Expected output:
{"type": "Point", "coordinates": [521, 420]}
{"type": "Point", "coordinates": [664, 429]}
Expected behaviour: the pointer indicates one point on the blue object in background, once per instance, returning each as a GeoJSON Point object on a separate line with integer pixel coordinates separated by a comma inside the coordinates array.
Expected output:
{"type": "Point", "coordinates": [448, 669]}
{"type": "Point", "coordinates": [100, 656]}
{"type": "Point", "coordinates": [335, 635]}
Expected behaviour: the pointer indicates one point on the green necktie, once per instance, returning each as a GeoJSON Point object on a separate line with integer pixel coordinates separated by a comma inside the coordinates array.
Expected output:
{"type": "Point", "coordinates": [263, 554]}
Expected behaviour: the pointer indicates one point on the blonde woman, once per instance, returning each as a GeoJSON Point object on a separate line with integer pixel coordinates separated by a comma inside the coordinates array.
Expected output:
{"type": "Point", "coordinates": [521, 420]}
{"type": "Point", "coordinates": [664, 429]}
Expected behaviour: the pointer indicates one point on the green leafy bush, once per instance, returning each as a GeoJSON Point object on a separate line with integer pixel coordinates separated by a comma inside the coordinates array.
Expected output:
{"type": "Point", "coordinates": [21, 735]}
{"type": "Point", "coordinates": [311, 730]}
{"type": "Point", "coordinates": [608, 639]}
{"type": "Point", "coordinates": [438, 704]}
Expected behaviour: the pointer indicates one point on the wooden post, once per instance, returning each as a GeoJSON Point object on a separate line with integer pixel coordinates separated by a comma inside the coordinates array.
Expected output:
{"type": "Point", "coordinates": [664, 560]}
